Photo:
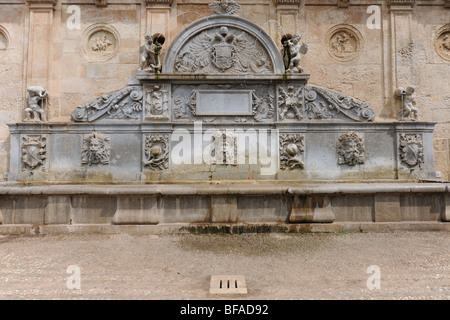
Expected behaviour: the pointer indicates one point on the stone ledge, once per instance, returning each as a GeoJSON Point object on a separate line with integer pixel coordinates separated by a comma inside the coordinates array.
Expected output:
{"type": "Point", "coordinates": [30, 229]}
{"type": "Point", "coordinates": [250, 189]}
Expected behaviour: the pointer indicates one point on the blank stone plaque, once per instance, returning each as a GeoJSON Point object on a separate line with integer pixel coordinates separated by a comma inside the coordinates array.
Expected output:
{"type": "Point", "coordinates": [226, 103]}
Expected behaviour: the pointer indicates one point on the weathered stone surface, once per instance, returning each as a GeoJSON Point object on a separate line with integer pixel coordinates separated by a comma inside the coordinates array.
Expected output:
{"type": "Point", "coordinates": [387, 208]}
{"type": "Point", "coordinates": [57, 210]}
{"type": "Point", "coordinates": [316, 209]}
{"type": "Point", "coordinates": [137, 210]}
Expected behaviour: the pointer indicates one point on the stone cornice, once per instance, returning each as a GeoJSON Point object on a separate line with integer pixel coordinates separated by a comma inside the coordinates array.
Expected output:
{"type": "Point", "coordinates": [400, 2]}
{"type": "Point", "coordinates": [343, 3]}
{"type": "Point", "coordinates": [101, 3]}
{"type": "Point", "coordinates": [44, 4]}
{"type": "Point", "coordinates": [166, 2]}
{"type": "Point", "coordinates": [287, 1]}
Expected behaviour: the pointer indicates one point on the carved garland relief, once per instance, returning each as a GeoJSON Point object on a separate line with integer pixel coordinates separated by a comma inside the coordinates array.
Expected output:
{"type": "Point", "coordinates": [344, 42]}
{"type": "Point", "coordinates": [442, 42]}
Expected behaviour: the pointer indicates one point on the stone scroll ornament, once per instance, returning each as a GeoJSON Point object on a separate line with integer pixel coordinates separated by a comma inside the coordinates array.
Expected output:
{"type": "Point", "coordinates": [350, 149]}
{"type": "Point", "coordinates": [122, 104]}
{"type": "Point", "coordinates": [156, 152]}
{"type": "Point", "coordinates": [291, 147]}
{"type": "Point", "coordinates": [411, 150]}
{"type": "Point", "coordinates": [321, 103]}
{"type": "Point", "coordinates": [34, 152]}
{"type": "Point", "coordinates": [96, 149]}
{"type": "Point", "coordinates": [37, 98]}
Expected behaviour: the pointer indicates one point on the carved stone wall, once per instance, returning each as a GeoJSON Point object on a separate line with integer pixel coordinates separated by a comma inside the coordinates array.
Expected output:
{"type": "Point", "coordinates": [38, 48]}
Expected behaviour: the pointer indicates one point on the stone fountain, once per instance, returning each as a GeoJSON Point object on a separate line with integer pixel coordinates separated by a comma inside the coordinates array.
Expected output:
{"type": "Point", "coordinates": [228, 130]}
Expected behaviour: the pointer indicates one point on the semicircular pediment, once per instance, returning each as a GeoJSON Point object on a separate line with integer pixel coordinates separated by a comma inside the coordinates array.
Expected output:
{"type": "Point", "coordinates": [223, 45]}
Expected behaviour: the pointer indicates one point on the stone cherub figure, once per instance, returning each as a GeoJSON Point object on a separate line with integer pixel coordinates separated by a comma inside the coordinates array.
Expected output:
{"type": "Point", "coordinates": [292, 51]}
{"type": "Point", "coordinates": [407, 97]}
{"type": "Point", "coordinates": [150, 53]}
{"type": "Point", "coordinates": [36, 98]}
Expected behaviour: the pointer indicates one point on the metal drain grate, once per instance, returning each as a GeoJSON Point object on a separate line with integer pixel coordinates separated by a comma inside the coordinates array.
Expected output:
{"type": "Point", "coordinates": [222, 284]}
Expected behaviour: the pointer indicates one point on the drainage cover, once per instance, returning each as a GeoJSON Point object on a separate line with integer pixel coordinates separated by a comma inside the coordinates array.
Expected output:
{"type": "Point", "coordinates": [223, 284]}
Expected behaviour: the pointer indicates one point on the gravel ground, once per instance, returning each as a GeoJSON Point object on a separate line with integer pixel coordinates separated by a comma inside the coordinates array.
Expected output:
{"type": "Point", "coordinates": [413, 265]}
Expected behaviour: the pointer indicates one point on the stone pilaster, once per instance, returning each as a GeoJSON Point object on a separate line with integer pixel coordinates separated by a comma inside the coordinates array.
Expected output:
{"type": "Point", "coordinates": [159, 18]}
{"type": "Point", "coordinates": [287, 18]}
{"type": "Point", "coordinates": [41, 15]}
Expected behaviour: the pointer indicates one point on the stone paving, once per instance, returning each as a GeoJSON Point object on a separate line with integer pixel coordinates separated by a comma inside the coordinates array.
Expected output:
{"type": "Point", "coordinates": [413, 265]}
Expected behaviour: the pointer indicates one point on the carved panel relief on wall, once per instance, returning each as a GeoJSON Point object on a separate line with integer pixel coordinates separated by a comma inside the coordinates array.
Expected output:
{"type": "Point", "coordinates": [411, 150]}
{"type": "Point", "coordinates": [223, 50]}
{"type": "Point", "coordinates": [350, 149]}
{"type": "Point", "coordinates": [34, 152]}
{"type": "Point", "coordinates": [344, 42]}
{"type": "Point", "coordinates": [96, 149]}
{"type": "Point", "coordinates": [101, 42]}
{"type": "Point", "coordinates": [291, 148]}
{"type": "Point", "coordinates": [156, 152]}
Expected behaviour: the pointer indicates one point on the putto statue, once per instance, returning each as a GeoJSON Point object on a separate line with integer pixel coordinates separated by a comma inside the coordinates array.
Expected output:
{"type": "Point", "coordinates": [150, 53]}
{"type": "Point", "coordinates": [292, 52]}
{"type": "Point", "coordinates": [408, 111]}
{"type": "Point", "coordinates": [36, 100]}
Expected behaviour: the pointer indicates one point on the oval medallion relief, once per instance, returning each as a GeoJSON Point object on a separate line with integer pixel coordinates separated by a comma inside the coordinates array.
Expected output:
{"type": "Point", "coordinates": [344, 42]}
{"type": "Point", "coordinates": [101, 42]}
{"type": "Point", "coordinates": [442, 42]}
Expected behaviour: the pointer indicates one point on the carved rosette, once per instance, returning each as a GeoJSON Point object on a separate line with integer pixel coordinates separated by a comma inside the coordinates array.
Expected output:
{"type": "Point", "coordinates": [156, 103]}
{"type": "Point", "coordinates": [34, 152]}
{"type": "Point", "coordinates": [291, 148]}
{"type": "Point", "coordinates": [442, 42]}
{"type": "Point", "coordinates": [122, 104]}
{"type": "Point", "coordinates": [290, 103]}
{"type": "Point", "coordinates": [156, 152]}
{"type": "Point", "coordinates": [344, 42]}
{"type": "Point", "coordinates": [411, 150]}
{"type": "Point", "coordinates": [96, 149]}
{"type": "Point", "coordinates": [350, 149]}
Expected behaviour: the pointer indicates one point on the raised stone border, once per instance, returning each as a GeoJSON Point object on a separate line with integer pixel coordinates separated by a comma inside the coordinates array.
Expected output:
{"type": "Point", "coordinates": [210, 208]}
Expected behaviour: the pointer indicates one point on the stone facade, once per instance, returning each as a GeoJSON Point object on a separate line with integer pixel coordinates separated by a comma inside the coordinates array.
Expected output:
{"type": "Point", "coordinates": [84, 49]}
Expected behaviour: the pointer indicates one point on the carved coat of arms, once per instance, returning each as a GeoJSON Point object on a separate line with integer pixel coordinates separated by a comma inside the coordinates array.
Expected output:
{"type": "Point", "coordinates": [223, 51]}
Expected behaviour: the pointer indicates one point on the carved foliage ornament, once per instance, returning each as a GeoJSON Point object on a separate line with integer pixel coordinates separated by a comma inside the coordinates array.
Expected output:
{"type": "Point", "coordinates": [156, 152]}
{"type": "Point", "coordinates": [223, 50]}
{"type": "Point", "coordinates": [122, 104]}
{"type": "Point", "coordinates": [224, 7]}
{"type": "Point", "coordinates": [442, 42]}
{"type": "Point", "coordinates": [291, 147]}
{"type": "Point", "coordinates": [350, 149]}
{"type": "Point", "coordinates": [34, 152]}
{"type": "Point", "coordinates": [411, 150]}
{"type": "Point", "coordinates": [96, 149]}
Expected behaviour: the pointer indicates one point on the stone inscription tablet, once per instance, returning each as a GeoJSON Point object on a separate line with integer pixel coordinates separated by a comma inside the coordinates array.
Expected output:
{"type": "Point", "coordinates": [226, 103]}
